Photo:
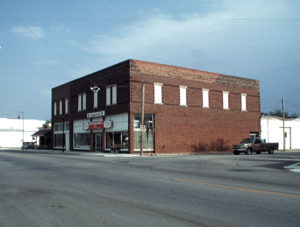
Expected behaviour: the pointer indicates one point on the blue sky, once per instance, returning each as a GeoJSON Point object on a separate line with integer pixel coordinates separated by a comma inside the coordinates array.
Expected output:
{"type": "Point", "coordinates": [47, 43]}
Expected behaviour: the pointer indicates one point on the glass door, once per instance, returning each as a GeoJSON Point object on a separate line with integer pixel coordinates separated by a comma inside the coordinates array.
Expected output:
{"type": "Point", "coordinates": [97, 142]}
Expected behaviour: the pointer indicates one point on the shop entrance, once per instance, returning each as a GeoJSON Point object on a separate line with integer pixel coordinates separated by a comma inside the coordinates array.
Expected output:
{"type": "Point", "coordinates": [97, 142]}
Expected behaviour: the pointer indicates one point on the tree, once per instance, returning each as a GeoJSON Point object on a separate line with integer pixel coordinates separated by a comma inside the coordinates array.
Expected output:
{"type": "Point", "coordinates": [278, 113]}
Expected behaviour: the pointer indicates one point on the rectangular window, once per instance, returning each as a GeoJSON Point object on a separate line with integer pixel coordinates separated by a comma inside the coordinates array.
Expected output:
{"type": "Point", "coordinates": [114, 94]}
{"type": "Point", "coordinates": [81, 140]}
{"type": "Point", "coordinates": [182, 95]}
{"type": "Point", "coordinates": [108, 96]}
{"type": "Point", "coordinates": [60, 107]}
{"type": "Point", "coordinates": [66, 106]}
{"type": "Point", "coordinates": [225, 100]}
{"type": "Point", "coordinates": [84, 101]}
{"type": "Point", "coordinates": [158, 93]}
{"type": "Point", "coordinates": [95, 100]}
{"type": "Point", "coordinates": [55, 108]}
{"type": "Point", "coordinates": [79, 103]}
{"type": "Point", "coordinates": [243, 102]}
{"type": "Point", "coordinates": [205, 98]}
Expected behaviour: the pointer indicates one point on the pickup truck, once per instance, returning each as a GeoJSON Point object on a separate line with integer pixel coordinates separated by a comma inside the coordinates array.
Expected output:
{"type": "Point", "coordinates": [254, 144]}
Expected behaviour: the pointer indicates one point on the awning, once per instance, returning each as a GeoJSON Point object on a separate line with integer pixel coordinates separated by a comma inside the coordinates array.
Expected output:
{"type": "Point", "coordinates": [42, 132]}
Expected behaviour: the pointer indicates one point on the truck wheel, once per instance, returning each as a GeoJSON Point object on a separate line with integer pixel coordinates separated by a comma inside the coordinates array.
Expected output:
{"type": "Point", "coordinates": [236, 152]}
{"type": "Point", "coordinates": [271, 151]}
{"type": "Point", "coordinates": [257, 152]}
{"type": "Point", "coordinates": [248, 151]}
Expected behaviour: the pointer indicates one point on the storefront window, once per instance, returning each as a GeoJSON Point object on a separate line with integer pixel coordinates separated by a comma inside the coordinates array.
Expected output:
{"type": "Point", "coordinates": [125, 139]}
{"type": "Point", "coordinates": [117, 140]}
{"type": "Point", "coordinates": [81, 140]}
{"type": "Point", "coordinates": [58, 140]}
{"type": "Point", "coordinates": [148, 135]}
{"type": "Point", "coordinates": [109, 140]}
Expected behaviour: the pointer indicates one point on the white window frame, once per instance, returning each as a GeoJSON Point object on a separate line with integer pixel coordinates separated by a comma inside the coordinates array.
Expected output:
{"type": "Point", "coordinates": [55, 108]}
{"type": "Point", "coordinates": [243, 102]}
{"type": "Point", "coordinates": [79, 102]}
{"type": "Point", "coordinates": [84, 101]}
{"type": "Point", "coordinates": [158, 93]}
{"type": "Point", "coordinates": [114, 94]}
{"type": "Point", "coordinates": [108, 95]}
{"type": "Point", "coordinates": [182, 94]}
{"type": "Point", "coordinates": [225, 100]}
{"type": "Point", "coordinates": [60, 107]}
{"type": "Point", "coordinates": [95, 100]}
{"type": "Point", "coordinates": [66, 106]}
{"type": "Point", "coordinates": [205, 98]}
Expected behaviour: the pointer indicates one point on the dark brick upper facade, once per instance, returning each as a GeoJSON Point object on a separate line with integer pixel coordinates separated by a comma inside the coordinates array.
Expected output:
{"type": "Point", "coordinates": [177, 128]}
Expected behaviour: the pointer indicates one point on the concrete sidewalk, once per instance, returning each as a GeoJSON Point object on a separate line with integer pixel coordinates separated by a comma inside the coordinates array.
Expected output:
{"type": "Point", "coordinates": [87, 153]}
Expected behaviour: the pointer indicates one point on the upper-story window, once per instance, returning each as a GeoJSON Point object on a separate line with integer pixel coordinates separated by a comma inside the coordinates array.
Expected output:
{"type": "Point", "coordinates": [60, 107]}
{"type": "Point", "coordinates": [95, 100]}
{"type": "Point", "coordinates": [243, 102]}
{"type": "Point", "coordinates": [66, 106]}
{"type": "Point", "coordinates": [111, 95]}
{"type": "Point", "coordinates": [225, 100]}
{"type": "Point", "coordinates": [55, 108]}
{"type": "Point", "coordinates": [158, 93]}
{"type": "Point", "coordinates": [205, 98]}
{"type": "Point", "coordinates": [81, 102]}
{"type": "Point", "coordinates": [182, 94]}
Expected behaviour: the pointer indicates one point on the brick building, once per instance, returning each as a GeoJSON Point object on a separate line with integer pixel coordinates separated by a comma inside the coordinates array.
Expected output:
{"type": "Point", "coordinates": [186, 110]}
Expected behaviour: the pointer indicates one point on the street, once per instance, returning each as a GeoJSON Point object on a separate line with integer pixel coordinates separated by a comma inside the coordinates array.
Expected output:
{"type": "Point", "coordinates": [196, 190]}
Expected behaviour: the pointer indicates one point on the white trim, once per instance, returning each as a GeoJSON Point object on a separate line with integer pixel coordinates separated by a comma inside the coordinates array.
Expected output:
{"type": "Point", "coordinates": [158, 93]}
{"type": "Point", "coordinates": [205, 98]}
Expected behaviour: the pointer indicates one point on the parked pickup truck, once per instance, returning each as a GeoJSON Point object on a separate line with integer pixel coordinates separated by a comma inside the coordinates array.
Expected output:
{"type": "Point", "coordinates": [254, 144]}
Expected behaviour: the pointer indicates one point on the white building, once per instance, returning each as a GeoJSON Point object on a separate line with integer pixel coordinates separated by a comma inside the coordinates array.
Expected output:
{"type": "Point", "coordinates": [272, 131]}
{"type": "Point", "coordinates": [12, 131]}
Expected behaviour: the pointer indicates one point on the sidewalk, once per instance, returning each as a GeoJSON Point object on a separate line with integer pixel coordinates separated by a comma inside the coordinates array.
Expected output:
{"type": "Point", "coordinates": [87, 153]}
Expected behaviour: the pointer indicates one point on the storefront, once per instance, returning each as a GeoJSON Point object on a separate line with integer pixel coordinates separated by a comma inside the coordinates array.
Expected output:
{"type": "Point", "coordinates": [61, 139]}
{"type": "Point", "coordinates": [100, 133]}
{"type": "Point", "coordinates": [148, 135]}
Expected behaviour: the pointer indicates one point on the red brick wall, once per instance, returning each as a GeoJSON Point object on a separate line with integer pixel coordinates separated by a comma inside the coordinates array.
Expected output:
{"type": "Point", "coordinates": [179, 128]}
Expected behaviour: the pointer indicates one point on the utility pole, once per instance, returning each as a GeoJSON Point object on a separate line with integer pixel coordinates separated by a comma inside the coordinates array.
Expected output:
{"type": "Point", "coordinates": [142, 120]}
{"type": "Point", "coordinates": [283, 125]}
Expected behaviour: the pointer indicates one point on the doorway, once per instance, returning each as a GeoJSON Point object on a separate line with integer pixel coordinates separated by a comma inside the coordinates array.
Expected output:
{"type": "Point", "coordinates": [97, 142]}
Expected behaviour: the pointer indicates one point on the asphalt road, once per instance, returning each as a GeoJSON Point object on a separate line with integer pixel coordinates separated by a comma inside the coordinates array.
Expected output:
{"type": "Point", "coordinates": [202, 190]}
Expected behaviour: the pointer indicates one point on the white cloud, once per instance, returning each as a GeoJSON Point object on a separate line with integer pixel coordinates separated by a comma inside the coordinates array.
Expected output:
{"type": "Point", "coordinates": [238, 36]}
{"type": "Point", "coordinates": [32, 32]}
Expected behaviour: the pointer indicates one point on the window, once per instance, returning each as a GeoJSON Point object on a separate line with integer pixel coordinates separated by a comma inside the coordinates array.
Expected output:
{"type": "Point", "coordinates": [95, 100]}
{"type": "Point", "coordinates": [148, 135]}
{"type": "Point", "coordinates": [182, 95]}
{"type": "Point", "coordinates": [158, 93]}
{"type": "Point", "coordinates": [108, 96]}
{"type": "Point", "coordinates": [114, 94]}
{"type": "Point", "coordinates": [205, 98]}
{"type": "Point", "coordinates": [225, 100]}
{"type": "Point", "coordinates": [81, 140]}
{"type": "Point", "coordinates": [66, 106]}
{"type": "Point", "coordinates": [84, 101]}
{"type": "Point", "coordinates": [81, 102]}
{"type": "Point", "coordinates": [111, 95]}
{"type": "Point", "coordinates": [60, 107]}
{"type": "Point", "coordinates": [55, 108]}
{"type": "Point", "coordinates": [243, 102]}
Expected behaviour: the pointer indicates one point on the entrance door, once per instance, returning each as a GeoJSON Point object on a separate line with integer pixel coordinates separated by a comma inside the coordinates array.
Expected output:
{"type": "Point", "coordinates": [97, 142]}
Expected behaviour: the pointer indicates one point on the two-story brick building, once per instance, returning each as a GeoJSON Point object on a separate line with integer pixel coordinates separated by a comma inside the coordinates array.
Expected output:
{"type": "Point", "coordinates": [186, 110]}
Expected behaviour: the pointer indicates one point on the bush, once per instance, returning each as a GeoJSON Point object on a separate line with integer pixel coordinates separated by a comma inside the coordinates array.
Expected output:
{"type": "Point", "coordinates": [218, 145]}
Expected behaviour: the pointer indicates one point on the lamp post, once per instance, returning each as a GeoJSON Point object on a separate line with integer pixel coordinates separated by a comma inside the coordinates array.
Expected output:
{"type": "Point", "coordinates": [19, 117]}
{"type": "Point", "coordinates": [95, 89]}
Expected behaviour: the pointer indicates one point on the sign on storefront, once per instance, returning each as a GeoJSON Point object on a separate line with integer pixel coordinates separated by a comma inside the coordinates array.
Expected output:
{"type": "Point", "coordinates": [107, 124]}
{"type": "Point", "coordinates": [96, 114]}
{"type": "Point", "coordinates": [96, 125]}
